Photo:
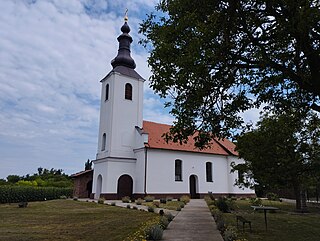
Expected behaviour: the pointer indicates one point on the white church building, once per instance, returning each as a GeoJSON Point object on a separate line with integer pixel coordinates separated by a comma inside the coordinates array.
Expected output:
{"type": "Point", "coordinates": [134, 160]}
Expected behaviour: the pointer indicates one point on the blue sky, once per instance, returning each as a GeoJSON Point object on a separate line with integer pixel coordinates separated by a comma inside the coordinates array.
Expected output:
{"type": "Point", "coordinates": [53, 53]}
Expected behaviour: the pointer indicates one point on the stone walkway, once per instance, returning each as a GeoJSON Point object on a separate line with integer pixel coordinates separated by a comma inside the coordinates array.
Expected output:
{"type": "Point", "coordinates": [194, 222]}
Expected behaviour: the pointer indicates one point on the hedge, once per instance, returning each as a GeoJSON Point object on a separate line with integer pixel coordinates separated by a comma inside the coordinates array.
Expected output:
{"type": "Point", "coordinates": [14, 194]}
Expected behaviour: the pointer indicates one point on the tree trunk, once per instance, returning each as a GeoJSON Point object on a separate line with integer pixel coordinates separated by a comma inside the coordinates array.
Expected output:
{"type": "Point", "coordinates": [304, 207]}
{"type": "Point", "coordinates": [296, 188]}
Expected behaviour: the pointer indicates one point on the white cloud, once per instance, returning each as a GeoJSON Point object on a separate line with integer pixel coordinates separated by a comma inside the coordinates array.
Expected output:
{"type": "Point", "coordinates": [53, 53]}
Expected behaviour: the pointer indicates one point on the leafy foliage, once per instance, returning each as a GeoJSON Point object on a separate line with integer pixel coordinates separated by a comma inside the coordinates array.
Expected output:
{"type": "Point", "coordinates": [213, 60]}
{"type": "Point", "coordinates": [283, 151]}
{"type": "Point", "coordinates": [13, 194]}
{"type": "Point", "coordinates": [44, 178]}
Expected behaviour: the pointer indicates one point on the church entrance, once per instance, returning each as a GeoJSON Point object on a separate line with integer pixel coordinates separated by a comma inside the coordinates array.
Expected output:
{"type": "Point", "coordinates": [193, 180]}
{"type": "Point", "coordinates": [89, 188]}
{"type": "Point", "coordinates": [125, 186]}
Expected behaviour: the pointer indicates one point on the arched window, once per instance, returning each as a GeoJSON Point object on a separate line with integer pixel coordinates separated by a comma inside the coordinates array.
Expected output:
{"type": "Point", "coordinates": [209, 171]}
{"type": "Point", "coordinates": [128, 92]}
{"type": "Point", "coordinates": [178, 170]}
{"type": "Point", "coordinates": [107, 92]}
{"type": "Point", "coordinates": [104, 139]}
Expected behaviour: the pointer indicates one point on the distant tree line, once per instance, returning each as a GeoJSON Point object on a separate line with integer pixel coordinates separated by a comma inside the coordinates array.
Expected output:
{"type": "Point", "coordinates": [43, 178]}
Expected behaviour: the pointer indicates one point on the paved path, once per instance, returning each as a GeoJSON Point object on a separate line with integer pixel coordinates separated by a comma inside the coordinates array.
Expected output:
{"type": "Point", "coordinates": [194, 222]}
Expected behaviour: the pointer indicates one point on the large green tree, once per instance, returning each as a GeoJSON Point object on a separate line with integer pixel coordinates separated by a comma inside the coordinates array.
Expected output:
{"type": "Point", "coordinates": [283, 151]}
{"type": "Point", "coordinates": [212, 59]}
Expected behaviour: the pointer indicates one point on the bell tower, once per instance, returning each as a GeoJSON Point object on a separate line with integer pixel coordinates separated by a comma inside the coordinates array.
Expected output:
{"type": "Point", "coordinates": [121, 103]}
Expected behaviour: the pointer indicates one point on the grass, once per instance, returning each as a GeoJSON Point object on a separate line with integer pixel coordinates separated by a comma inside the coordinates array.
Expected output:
{"type": "Point", "coordinates": [283, 225]}
{"type": "Point", "coordinates": [171, 205]}
{"type": "Point", "coordinates": [69, 220]}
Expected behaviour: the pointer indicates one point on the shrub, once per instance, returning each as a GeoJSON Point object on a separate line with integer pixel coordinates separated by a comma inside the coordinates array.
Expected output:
{"type": "Point", "coordinates": [15, 194]}
{"type": "Point", "coordinates": [149, 198]}
{"type": "Point", "coordinates": [75, 198]}
{"type": "Point", "coordinates": [256, 201]}
{"type": "Point", "coordinates": [220, 225]}
{"type": "Point", "coordinates": [155, 232]}
{"type": "Point", "coordinates": [163, 222]}
{"type": "Point", "coordinates": [230, 234]}
{"type": "Point", "coordinates": [217, 214]}
{"type": "Point", "coordinates": [163, 200]}
{"type": "Point", "coordinates": [222, 205]}
{"type": "Point", "coordinates": [126, 199]}
{"type": "Point", "coordinates": [151, 209]}
{"type": "Point", "coordinates": [134, 207]}
{"type": "Point", "coordinates": [272, 196]}
{"type": "Point", "coordinates": [132, 200]}
{"type": "Point", "coordinates": [139, 201]}
{"type": "Point", "coordinates": [128, 206]}
{"type": "Point", "coordinates": [185, 199]}
{"type": "Point", "coordinates": [182, 205]}
{"type": "Point", "coordinates": [178, 209]}
{"type": "Point", "coordinates": [156, 203]}
{"type": "Point", "coordinates": [101, 200]}
{"type": "Point", "coordinates": [169, 216]}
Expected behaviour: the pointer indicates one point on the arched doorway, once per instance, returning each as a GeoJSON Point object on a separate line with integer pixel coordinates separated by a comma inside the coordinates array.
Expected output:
{"type": "Point", "coordinates": [89, 188]}
{"type": "Point", "coordinates": [98, 187]}
{"type": "Point", "coordinates": [193, 180]}
{"type": "Point", "coordinates": [125, 186]}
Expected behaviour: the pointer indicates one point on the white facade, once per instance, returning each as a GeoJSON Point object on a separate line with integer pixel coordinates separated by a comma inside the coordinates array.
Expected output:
{"type": "Point", "coordinates": [128, 165]}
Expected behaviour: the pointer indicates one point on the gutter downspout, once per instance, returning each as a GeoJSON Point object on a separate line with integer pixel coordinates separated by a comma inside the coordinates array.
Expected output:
{"type": "Point", "coordinates": [145, 168]}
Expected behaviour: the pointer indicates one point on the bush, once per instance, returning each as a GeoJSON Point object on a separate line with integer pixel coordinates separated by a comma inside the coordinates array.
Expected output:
{"type": "Point", "coordinates": [139, 201]}
{"type": "Point", "coordinates": [178, 209]}
{"type": "Point", "coordinates": [163, 222]}
{"type": "Point", "coordinates": [151, 209]}
{"type": "Point", "coordinates": [75, 198]}
{"type": "Point", "coordinates": [15, 194]}
{"type": "Point", "coordinates": [149, 198]}
{"type": "Point", "coordinates": [128, 206]}
{"type": "Point", "coordinates": [256, 201]}
{"type": "Point", "coordinates": [126, 199]}
{"type": "Point", "coordinates": [272, 196]}
{"type": "Point", "coordinates": [169, 216]}
{"type": "Point", "coordinates": [185, 199]}
{"type": "Point", "coordinates": [155, 232]}
{"type": "Point", "coordinates": [163, 200]}
{"type": "Point", "coordinates": [222, 205]}
{"type": "Point", "coordinates": [182, 205]}
{"type": "Point", "coordinates": [101, 200]}
{"type": "Point", "coordinates": [220, 225]}
{"type": "Point", "coordinates": [230, 234]}
{"type": "Point", "coordinates": [134, 207]}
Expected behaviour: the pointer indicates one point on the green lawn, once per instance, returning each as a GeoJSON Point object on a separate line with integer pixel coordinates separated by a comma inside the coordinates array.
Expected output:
{"type": "Point", "coordinates": [283, 225]}
{"type": "Point", "coordinates": [69, 220]}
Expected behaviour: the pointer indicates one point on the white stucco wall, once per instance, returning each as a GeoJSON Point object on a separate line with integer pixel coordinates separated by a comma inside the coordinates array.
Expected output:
{"type": "Point", "coordinates": [161, 172]}
{"type": "Point", "coordinates": [119, 116]}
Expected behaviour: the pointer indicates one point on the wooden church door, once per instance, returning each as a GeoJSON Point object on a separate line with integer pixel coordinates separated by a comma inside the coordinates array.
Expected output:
{"type": "Point", "coordinates": [193, 186]}
{"type": "Point", "coordinates": [125, 186]}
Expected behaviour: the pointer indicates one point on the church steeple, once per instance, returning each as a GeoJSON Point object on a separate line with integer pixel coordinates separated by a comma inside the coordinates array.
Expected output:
{"type": "Point", "coordinates": [124, 58]}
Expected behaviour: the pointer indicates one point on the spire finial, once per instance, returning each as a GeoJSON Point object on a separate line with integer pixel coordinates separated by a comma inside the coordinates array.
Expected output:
{"type": "Point", "coordinates": [126, 15]}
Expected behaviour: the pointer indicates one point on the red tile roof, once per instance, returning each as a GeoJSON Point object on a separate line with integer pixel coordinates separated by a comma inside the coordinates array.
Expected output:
{"type": "Point", "coordinates": [155, 140]}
